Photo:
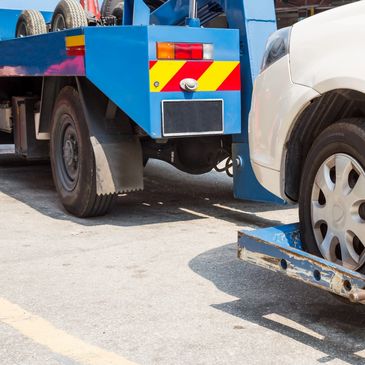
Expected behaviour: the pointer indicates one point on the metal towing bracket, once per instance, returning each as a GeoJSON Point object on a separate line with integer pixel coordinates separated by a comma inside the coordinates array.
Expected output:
{"type": "Point", "coordinates": [280, 249]}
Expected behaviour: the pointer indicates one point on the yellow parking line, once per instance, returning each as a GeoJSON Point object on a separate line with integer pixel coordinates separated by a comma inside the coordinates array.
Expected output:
{"type": "Point", "coordinates": [58, 341]}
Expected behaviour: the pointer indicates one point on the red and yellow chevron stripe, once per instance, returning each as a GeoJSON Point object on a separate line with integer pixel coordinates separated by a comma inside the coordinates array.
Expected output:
{"type": "Point", "coordinates": [211, 75]}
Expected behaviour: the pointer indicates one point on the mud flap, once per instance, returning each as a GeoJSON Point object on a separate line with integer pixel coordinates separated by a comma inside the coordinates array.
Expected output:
{"type": "Point", "coordinates": [118, 153]}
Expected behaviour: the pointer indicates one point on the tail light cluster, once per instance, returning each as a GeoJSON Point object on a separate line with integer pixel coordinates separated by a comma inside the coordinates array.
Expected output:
{"type": "Point", "coordinates": [184, 51]}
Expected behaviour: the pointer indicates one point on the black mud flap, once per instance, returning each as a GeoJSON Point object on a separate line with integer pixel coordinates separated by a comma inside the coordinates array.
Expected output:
{"type": "Point", "coordinates": [118, 153]}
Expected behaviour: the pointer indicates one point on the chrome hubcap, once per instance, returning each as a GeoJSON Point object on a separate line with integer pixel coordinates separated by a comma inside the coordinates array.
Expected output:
{"type": "Point", "coordinates": [337, 211]}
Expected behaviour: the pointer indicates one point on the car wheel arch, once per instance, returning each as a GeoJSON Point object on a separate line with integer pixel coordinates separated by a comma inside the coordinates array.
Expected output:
{"type": "Point", "coordinates": [325, 110]}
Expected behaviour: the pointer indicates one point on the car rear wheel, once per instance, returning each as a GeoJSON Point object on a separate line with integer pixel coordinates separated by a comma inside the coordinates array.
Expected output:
{"type": "Point", "coordinates": [72, 159]}
{"type": "Point", "coordinates": [68, 14]}
{"type": "Point", "coordinates": [332, 195]}
{"type": "Point", "coordinates": [30, 22]}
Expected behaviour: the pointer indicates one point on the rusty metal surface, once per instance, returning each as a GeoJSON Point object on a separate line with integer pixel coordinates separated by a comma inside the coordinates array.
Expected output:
{"type": "Point", "coordinates": [279, 249]}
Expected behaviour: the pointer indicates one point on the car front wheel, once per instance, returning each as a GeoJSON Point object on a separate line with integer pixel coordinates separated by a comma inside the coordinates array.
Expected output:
{"type": "Point", "coordinates": [332, 195]}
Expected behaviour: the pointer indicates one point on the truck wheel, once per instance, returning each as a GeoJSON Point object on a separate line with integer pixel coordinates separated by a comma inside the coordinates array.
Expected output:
{"type": "Point", "coordinates": [72, 158]}
{"type": "Point", "coordinates": [30, 22]}
{"type": "Point", "coordinates": [113, 7]}
{"type": "Point", "coordinates": [332, 195]}
{"type": "Point", "coordinates": [68, 14]}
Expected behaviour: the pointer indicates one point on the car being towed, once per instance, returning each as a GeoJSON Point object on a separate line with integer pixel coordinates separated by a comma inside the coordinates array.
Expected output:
{"type": "Point", "coordinates": [307, 129]}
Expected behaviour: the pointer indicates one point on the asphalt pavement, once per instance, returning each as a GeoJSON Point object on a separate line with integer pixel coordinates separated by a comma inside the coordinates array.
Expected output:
{"type": "Point", "coordinates": [156, 281]}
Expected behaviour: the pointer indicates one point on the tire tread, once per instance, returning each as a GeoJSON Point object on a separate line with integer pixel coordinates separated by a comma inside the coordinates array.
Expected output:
{"type": "Point", "coordinates": [73, 12]}
{"type": "Point", "coordinates": [108, 7]}
{"type": "Point", "coordinates": [34, 21]}
{"type": "Point", "coordinates": [354, 127]}
{"type": "Point", "coordinates": [86, 203]}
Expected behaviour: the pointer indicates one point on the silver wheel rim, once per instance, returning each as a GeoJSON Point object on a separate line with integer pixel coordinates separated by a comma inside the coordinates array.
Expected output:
{"type": "Point", "coordinates": [338, 211]}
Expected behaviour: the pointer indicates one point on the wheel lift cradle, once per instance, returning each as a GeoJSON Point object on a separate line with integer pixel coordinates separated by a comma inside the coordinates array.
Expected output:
{"type": "Point", "coordinates": [280, 249]}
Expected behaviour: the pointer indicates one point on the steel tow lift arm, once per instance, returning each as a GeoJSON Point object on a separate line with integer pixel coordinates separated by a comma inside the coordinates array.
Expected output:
{"type": "Point", "coordinates": [280, 249]}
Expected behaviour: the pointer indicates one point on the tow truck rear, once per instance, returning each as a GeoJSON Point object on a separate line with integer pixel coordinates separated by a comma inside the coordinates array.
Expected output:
{"type": "Point", "coordinates": [108, 98]}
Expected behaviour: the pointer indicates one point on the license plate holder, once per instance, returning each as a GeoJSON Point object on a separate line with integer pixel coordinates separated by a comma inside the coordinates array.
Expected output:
{"type": "Point", "coordinates": [192, 117]}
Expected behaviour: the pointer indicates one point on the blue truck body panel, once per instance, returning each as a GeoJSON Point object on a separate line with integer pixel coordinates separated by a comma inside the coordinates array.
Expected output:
{"type": "Point", "coordinates": [42, 55]}
{"type": "Point", "coordinates": [117, 62]}
{"type": "Point", "coordinates": [256, 21]}
{"type": "Point", "coordinates": [128, 86]}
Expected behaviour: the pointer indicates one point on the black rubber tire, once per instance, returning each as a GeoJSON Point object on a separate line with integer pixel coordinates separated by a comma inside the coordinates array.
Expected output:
{"type": "Point", "coordinates": [108, 7]}
{"type": "Point", "coordinates": [30, 22]}
{"type": "Point", "coordinates": [346, 136]}
{"type": "Point", "coordinates": [81, 199]}
{"type": "Point", "coordinates": [70, 13]}
{"type": "Point", "coordinates": [113, 7]}
{"type": "Point", "coordinates": [118, 13]}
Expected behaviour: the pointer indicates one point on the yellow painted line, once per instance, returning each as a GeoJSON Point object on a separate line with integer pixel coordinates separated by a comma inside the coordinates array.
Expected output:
{"type": "Point", "coordinates": [56, 340]}
{"type": "Point", "coordinates": [215, 75]}
{"type": "Point", "coordinates": [75, 41]}
{"type": "Point", "coordinates": [162, 72]}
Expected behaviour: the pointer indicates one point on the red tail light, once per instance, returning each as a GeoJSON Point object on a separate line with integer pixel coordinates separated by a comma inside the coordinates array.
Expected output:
{"type": "Point", "coordinates": [188, 51]}
{"type": "Point", "coordinates": [184, 51]}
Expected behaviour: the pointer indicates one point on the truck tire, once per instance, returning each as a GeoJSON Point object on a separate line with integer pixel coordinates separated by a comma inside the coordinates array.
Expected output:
{"type": "Point", "coordinates": [113, 8]}
{"type": "Point", "coordinates": [68, 14]}
{"type": "Point", "coordinates": [108, 7]}
{"type": "Point", "coordinates": [72, 158]}
{"type": "Point", "coordinates": [332, 195]}
{"type": "Point", "coordinates": [30, 22]}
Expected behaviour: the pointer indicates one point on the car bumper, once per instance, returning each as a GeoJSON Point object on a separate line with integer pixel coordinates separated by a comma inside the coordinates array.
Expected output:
{"type": "Point", "coordinates": [277, 102]}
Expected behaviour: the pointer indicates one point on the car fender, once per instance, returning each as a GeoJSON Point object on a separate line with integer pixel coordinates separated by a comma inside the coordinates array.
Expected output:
{"type": "Point", "coordinates": [326, 51]}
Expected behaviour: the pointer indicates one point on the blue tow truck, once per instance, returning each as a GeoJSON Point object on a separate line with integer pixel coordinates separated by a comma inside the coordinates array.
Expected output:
{"type": "Point", "coordinates": [100, 91]}
{"type": "Point", "coordinates": [99, 99]}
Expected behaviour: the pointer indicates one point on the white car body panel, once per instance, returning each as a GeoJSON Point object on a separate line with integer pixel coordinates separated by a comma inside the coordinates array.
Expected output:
{"type": "Point", "coordinates": [270, 179]}
{"type": "Point", "coordinates": [276, 103]}
{"type": "Point", "coordinates": [326, 50]}
{"type": "Point", "coordinates": [325, 54]}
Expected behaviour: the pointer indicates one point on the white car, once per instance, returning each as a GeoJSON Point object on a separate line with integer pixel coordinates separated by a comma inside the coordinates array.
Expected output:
{"type": "Point", "coordinates": [307, 129]}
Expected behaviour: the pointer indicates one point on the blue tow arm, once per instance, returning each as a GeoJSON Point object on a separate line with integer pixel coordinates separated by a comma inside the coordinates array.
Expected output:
{"type": "Point", "coordinates": [280, 249]}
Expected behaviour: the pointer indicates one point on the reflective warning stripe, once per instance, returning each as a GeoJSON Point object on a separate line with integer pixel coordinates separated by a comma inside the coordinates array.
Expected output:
{"type": "Point", "coordinates": [75, 45]}
{"type": "Point", "coordinates": [192, 70]}
{"type": "Point", "coordinates": [165, 76]}
{"type": "Point", "coordinates": [162, 72]}
{"type": "Point", "coordinates": [233, 81]}
{"type": "Point", "coordinates": [215, 75]}
{"type": "Point", "coordinates": [75, 41]}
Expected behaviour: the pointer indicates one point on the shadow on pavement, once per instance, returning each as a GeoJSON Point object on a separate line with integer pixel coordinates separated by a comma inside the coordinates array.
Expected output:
{"type": "Point", "coordinates": [308, 315]}
{"type": "Point", "coordinates": [169, 196]}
